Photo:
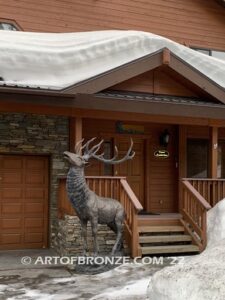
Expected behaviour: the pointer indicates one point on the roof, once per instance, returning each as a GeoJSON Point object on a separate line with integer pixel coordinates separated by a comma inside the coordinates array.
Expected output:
{"type": "Point", "coordinates": [57, 61]}
{"type": "Point", "coordinates": [137, 96]}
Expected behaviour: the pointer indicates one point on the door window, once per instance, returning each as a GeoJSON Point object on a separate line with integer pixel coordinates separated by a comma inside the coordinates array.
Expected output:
{"type": "Point", "coordinates": [197, 158]}
{"type": "Point", "coordinates": [221, 160]}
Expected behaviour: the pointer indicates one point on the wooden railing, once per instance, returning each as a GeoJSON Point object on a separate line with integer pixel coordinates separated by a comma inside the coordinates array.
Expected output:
{"type": "Point", "coordinates": [109, 187]}
{"type": "Point", "coordinates": [194, 209]}
{"type": "Point", "coordinates": [213, 190]}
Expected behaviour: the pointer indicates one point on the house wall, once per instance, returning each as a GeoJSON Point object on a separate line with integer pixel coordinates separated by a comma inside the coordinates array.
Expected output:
{"type": "Point", "coordinates": [38, 134]}
{"type": "Point", "coordinates": [193, 22]}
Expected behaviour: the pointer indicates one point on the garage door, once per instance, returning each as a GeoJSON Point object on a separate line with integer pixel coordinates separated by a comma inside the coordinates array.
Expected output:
{"type": "Point", "coordinates": [23, 201]}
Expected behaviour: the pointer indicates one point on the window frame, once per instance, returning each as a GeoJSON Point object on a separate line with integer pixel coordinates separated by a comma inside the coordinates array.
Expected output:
{"type": "Point", "coordinates": [11, 22]}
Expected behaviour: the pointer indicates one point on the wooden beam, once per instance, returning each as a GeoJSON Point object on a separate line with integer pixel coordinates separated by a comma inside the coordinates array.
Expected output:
{"type": "Point", "coordinates": [93, 113]}
{"type": "Point", "coordinates": [166, 56]}
{"type": "Point", "coordinates": [75, 131]}
{"type": "Point", "coordinates": [213, 151]}
{"type": "Point", "coordinates": [182, 168]}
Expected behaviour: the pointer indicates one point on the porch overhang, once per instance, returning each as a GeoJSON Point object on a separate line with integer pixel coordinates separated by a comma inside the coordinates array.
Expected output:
{"type": "Point", "coordinates": [114, 103]}
{"type": "Point", "coordinates": [152, 105]}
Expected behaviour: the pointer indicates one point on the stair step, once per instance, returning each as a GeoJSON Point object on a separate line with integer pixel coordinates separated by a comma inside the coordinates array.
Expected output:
{"type": "Point", "coordinates": [170, 249]}
{"type": "Point", "coordinates": [149, 229]}
{"type": "Point", "coordinates": [165, 238]}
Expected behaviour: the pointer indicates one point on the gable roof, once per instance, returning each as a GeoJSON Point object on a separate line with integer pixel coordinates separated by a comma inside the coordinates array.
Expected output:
{"type": "Point", "coordinates": [89, 62]}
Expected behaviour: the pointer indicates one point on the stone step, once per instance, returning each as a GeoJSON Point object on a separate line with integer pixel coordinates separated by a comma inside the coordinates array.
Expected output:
{"type": "Point", "coordinates": [150, 229]}
{"type": "Point", "coordinates": [170, 249]}
{"type": "Point", "coordinates": [164, 238]}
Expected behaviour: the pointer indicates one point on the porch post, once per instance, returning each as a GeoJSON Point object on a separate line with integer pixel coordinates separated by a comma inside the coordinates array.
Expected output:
{"type": "Point", "coordinates": [182, 160]}
{"type": "Point", "coordinates": [213, 151]}
{"type": "Point", "coordinates": [75, 131]}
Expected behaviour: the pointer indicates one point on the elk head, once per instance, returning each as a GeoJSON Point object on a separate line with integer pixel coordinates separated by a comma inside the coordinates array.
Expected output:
{"type": "Point", "coordinates": [78, 160]}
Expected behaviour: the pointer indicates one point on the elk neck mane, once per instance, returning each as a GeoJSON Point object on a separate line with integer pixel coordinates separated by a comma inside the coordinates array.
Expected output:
{"type": "Point", "coordinates": [77, 188]}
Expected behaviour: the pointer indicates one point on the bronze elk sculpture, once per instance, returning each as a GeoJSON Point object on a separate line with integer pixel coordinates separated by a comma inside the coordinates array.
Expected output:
{"type": "Point", "coordinates": [88, 205]}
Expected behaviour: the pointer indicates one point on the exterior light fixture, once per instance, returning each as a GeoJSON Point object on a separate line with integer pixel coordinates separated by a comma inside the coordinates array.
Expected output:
{"type": "Point", "coordinates": [164, 138]}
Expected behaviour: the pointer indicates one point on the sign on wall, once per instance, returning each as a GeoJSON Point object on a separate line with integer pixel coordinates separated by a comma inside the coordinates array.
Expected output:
{"type": "Point", "coordinates": [161, 153]}
{"type": "Point", "coordinates": [129, 128]}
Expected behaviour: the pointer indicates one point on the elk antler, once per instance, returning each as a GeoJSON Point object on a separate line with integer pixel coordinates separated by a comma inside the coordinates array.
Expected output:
{"type": "Point", "coordinates": [78, 147]}
{"type": "Point", "coordinates": [92, 153]}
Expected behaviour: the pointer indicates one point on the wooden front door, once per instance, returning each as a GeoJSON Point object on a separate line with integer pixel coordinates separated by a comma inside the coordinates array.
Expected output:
{"type": "Point", "coordinates": [23, 201]}
{"type": "Point", "coordinates": [163, 174]}
{"type": "Point", "coordinates": [132, 169]}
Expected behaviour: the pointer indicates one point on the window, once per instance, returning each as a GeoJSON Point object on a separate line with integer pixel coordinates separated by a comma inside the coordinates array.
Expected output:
{"type": "Point", "coordinates": [221, 160]}
{"type": "Point", "coordinates": [8, 26]}
{"type": "Point", "coordinates": [197, 158]}
{"type": "Point", "coordinates": [213, 53]}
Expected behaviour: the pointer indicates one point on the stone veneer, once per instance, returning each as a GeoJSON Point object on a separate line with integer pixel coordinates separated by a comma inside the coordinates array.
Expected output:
{"type": "Point", "coordinates": [69, 240]}
{"type": "Point", "coordinates": [38, 134]}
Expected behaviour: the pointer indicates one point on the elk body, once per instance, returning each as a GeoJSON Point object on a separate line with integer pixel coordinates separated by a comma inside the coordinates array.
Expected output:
{"type": "Point", "coordinates": [88, 205]}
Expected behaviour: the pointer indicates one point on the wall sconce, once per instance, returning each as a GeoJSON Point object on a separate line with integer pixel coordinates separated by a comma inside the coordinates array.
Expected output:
{"type": "Point", "coordinates": [164, 138]}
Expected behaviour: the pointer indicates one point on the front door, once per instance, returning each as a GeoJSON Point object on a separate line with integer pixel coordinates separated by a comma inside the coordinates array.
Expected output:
{"type": "Point", "coordinates": [133, 169]}
{"type": "Point", "coordinates": [163, 173]}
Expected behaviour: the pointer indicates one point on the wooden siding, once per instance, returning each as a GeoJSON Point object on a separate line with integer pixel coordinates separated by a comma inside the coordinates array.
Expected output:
{"type": "Point", "coordinates": [156, 82]}
{"type": "Point", "coordinates": [193, 22]}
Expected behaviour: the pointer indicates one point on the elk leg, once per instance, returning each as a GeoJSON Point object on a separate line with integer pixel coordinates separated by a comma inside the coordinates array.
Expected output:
{"type": "Point", "coordinates": [94, 226]}
{"type": "Point", "coordinates": [119, 236]}
{"type": "Point", "coordinates": [84, 236]}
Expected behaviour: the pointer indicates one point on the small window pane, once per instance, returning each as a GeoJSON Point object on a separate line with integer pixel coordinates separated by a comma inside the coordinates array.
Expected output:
{"type": "Point", "coordinates": [7, 26]}
{"type": "Point", "coordinates": [204, 51]}
{"type": "Point", "coordinates": [197, 158]}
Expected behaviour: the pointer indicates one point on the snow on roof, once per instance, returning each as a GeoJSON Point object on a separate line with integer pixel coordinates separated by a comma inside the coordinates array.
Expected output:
{"type": "Point", "coordinates": [58, 60]}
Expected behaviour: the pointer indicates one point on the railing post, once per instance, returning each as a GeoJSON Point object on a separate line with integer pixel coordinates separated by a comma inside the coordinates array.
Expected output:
{"type": "Point", "coordinates": [204, 230]}
{"type": "Point", "coordinates": [134, 242]}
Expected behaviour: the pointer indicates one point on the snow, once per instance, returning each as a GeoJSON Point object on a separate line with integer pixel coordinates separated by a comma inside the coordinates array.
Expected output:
{"type": "Point", "coordinates": [58, 60]}
{"type": "Point", "coordinates": [136, 290]}
{"type": "Point", "coordinates": [201, 277]}
{"type": "Point", "coordinates": [216, 224]}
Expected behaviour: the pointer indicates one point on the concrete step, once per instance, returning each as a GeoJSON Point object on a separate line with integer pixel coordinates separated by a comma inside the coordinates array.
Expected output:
{"type": "Point", "coordinates": [150, 229]}
{"type": "Point", "coordinates": [170, 249]}
{"type": "Point", "coordinates": [164, 238]}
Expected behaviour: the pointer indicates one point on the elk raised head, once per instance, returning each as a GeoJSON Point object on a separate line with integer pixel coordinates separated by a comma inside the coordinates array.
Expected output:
{"type": "Point", "coordinates": [88, 205]}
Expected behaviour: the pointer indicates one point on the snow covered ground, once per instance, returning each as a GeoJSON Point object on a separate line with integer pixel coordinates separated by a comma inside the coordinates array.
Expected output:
{"type": "Point", "coordinates": [58, 60]}
{"type": "Point", "coordinates": [201, 277]}
{"type": "Point", "coordinates": [127, 282]}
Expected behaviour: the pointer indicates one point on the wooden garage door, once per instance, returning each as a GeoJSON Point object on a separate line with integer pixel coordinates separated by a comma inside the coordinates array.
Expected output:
{"type": "Point", "coordinates": [23, 201]}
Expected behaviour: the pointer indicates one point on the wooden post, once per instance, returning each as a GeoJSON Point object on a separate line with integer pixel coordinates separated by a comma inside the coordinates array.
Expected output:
{"type": "Point", "coordinates": [75, 131]}
{"type": "Point", "coordinates": [213, 151]}
{"type": "Point", "coordinates": [182, 159]}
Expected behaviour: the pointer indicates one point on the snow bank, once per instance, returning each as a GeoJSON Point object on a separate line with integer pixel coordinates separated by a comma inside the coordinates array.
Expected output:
{"type": "Point", "coordinates": [201, 277]}
{"type": "Point", "coordinates": [216, 224]}
{"type": "Point", "coordinates": [58, 60]}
